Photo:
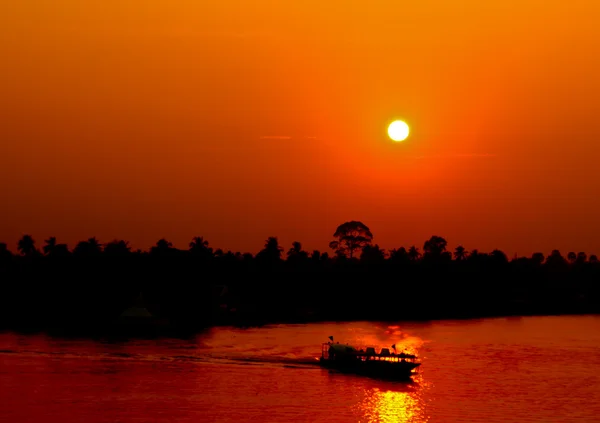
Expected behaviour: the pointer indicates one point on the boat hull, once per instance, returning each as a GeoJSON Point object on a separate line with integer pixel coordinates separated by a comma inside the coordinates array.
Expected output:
{"type": "Point", "coordinates": [373, 368]}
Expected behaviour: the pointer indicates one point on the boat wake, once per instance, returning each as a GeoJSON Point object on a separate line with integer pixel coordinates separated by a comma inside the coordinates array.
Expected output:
{"type": "Point", "coordinates": [290, 362]}
{"type": "Point", "coordinates": [201, 357]}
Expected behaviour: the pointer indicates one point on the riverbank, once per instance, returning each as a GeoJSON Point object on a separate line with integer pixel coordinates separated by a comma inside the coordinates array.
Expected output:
{"type": "Point", "coordinates": [156, 328]}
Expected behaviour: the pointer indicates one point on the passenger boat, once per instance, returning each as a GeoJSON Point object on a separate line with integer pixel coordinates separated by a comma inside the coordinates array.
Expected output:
{"type": "Point", "coordinates": [368, 362]}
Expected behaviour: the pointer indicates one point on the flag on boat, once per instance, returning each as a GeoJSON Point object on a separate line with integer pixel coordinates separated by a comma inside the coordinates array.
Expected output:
{"type": "Point", "coordinates": [331, 337]}
{"type": "Point", "coordinates": [394, 347]}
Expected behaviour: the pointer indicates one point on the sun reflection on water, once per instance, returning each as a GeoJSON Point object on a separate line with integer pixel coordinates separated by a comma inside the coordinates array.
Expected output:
{"type": "Point", "coordinates": [387, 406]}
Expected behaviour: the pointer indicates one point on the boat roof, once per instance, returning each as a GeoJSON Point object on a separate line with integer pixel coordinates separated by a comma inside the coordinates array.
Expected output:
{"type": "Point", "coordinates": [344, 348]}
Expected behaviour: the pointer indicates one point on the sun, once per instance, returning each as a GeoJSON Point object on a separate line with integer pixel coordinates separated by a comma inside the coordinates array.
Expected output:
{"type": "Point", "coordinates": [398, 130]}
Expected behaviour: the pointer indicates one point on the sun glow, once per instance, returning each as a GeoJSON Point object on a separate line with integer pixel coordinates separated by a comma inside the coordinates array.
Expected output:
{"type": "Point", "coordinates": [398, 130]}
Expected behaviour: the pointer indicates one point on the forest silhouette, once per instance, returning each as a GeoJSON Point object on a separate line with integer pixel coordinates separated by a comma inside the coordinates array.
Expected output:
{"type": "Point", "coordinates": [88, 288]}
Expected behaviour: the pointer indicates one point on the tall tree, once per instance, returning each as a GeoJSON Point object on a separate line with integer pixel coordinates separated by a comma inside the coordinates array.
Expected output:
{"type": "Point", "coordinates": [351, 236]}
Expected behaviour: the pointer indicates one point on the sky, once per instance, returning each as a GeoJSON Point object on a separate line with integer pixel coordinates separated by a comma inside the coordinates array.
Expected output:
{"type": "Point", "coordinates": [237, 120]}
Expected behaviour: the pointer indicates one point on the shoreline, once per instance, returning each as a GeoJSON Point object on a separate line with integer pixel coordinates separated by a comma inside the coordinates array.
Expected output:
{"type": "Point", "coordinates": [147, 330]}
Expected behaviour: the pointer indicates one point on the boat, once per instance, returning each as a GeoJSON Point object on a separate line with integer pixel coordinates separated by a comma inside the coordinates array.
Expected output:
{"type": "Point", "coordinates": [368, 362]}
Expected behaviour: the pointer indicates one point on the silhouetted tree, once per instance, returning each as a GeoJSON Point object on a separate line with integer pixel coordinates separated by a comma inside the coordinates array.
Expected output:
{"type": "Point", "coordinates": [50, 245]}
{"type": "Point", "coordinates": [162, 247]}
{"type": "Point", "coordinates": [52, 249]}
{"type": "Point", "coordinates": [351, 236]}
{"type": "Point", "coordinates": [199, 247]}
{"type": "Point", "coordinates": [460, 253]}
{"type": "Point", "coordinates": [5, 254]}
{"type": "Point", "coordinates": [414, 254]}
{"type": "Point", "coordinates": [26, 246]}
{"type": "Point", "coordinates": [498, 258]}
{"type": "Point", "coordinates": [315, 256]}
{"type": "Point", "coordinates": [295, 255]}
{"type": "Point", "coordinates": [267, 289]}
{"type": "Point", "coordinates": [271, 252]}
{"type": "Point", "coordinates": [372, 255]}
{"type": "Point", "coordinates": [399, 255]}
{"type": "Point", "coordinates": [117, 248]}
{"type": "Point", "coordinates": [571, 256]}
{"type": "Point", "coordinates": [434, 249]}
{"type": "Point", "coordinates": [581, 258]}
{"type": "Point", "coordinates": [89, 248]}
{"type": "Point", "coordinates": [538, 258]}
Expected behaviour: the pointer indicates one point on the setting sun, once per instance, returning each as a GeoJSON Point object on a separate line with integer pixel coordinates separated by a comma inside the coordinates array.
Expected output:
{"type": "Point", "coordinates": [398, 130]}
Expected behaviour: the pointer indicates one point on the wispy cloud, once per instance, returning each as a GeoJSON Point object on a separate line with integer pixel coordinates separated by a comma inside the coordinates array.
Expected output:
{"type": "Point", "coordinates": [275, 137]}
{"type": "Point", "coordinates": [457, 156]}
{"type": "Point", "coordinates": [196, 33]}
{"type": "Point", "coordinates": [474, 155]}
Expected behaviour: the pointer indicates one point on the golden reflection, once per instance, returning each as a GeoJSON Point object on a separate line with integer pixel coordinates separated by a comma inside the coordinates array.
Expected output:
{"type": "Point", "coordinates": [387, 406]}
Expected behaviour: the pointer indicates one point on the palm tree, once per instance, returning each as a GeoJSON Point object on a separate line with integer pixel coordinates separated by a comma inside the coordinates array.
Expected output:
{"type": "Point", "coordinates": [52, 249]}
{"type": "Point", "coordinates": [50, 245]}
{"type": "Point", "coordinates": [26, 246]}
{"type": "Point", "coordinates": [199, 246]}
{"type": "Point", "coordinates": [460, 253]}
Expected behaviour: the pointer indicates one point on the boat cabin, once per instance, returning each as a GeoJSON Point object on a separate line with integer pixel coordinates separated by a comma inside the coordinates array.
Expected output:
{"type": "Point", "coordinates": [340, 352]}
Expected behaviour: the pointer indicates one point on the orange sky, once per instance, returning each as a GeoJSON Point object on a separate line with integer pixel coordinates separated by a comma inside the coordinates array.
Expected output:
{"type": "Point", "coordinates": [238, 120]}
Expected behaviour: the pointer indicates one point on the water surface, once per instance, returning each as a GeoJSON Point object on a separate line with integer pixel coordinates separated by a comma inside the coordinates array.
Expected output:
{"type": "Point", "coordinates": [535, 369]}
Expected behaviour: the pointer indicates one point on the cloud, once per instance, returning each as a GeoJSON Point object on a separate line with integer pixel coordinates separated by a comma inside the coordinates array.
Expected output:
{"type": "Point", "coordinates": [457, 156]}
{"type": "Point", "coordinates": [183, 32]}
{"type": "Point", "coordinates": [472, 155]}
{"type": "Point", "coordinates": [275, 137]}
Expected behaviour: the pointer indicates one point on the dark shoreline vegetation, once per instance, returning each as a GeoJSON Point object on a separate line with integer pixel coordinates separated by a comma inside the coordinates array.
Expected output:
{"type": "Point", "coordinates": [108, 288]}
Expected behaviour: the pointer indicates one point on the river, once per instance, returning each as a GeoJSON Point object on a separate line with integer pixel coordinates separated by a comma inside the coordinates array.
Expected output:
{"type": "Point", "coordinates": [531, 369]}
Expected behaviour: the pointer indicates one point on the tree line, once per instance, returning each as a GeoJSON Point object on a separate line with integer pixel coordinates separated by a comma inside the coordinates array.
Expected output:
{"type": "Point", "coordinates": [90, 285]}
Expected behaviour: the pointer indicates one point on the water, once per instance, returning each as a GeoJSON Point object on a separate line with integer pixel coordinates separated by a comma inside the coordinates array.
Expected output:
{"type": "Point", "coordinates": [538, 369]}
